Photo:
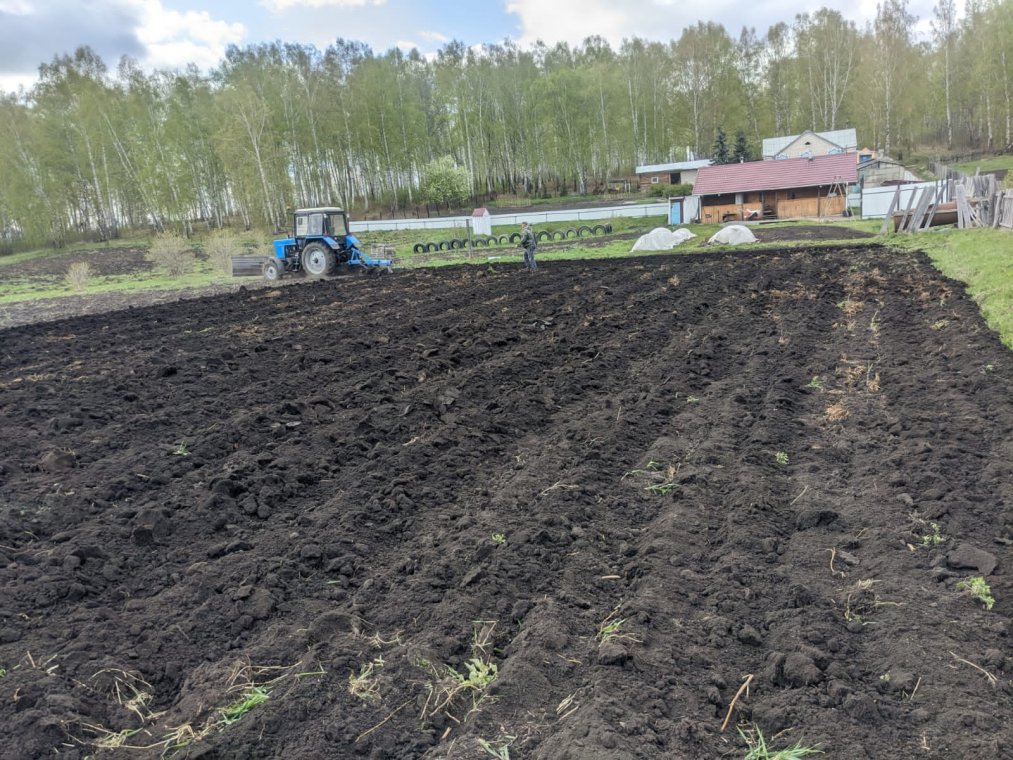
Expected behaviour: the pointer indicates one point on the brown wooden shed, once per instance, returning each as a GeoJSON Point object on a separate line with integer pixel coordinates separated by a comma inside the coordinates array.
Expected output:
{"type": "Point", "coordinates": [787, 189]}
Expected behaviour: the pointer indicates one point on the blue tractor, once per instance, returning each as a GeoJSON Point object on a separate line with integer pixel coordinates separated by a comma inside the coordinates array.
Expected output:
{"type": "Point", "coordinates": [321, 246]}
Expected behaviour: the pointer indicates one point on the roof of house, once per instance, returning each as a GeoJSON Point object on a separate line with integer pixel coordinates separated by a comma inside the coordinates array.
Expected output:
{"type": "Point", "coordinates": [681, 166]}
{"type": "Point", "coordinates": [847, 139]}
{"type": "Point", "coordinates": [776, 175]}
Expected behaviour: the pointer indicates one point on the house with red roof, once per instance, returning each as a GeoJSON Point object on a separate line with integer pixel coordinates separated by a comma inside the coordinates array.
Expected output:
{"type": "Point", "coordinates": [791, 188]}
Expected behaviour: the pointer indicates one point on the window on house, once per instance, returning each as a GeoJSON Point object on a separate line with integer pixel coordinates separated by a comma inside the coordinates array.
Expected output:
{"type": "Point", "coordinates": [654, 180]}
{"type": "Point", "coordinates": [675, 178]}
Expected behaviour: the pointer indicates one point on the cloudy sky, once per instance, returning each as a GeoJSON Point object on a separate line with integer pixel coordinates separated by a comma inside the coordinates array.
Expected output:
{"type": "Point", "coordinates": [172, 33]}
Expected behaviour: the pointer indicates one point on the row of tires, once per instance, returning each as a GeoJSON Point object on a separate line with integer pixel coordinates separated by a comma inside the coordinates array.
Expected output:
{"type": "Point", "coordinates": [513, 238]}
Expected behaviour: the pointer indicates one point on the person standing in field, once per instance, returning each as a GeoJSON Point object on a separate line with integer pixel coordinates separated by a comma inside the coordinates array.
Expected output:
{"type": "Point", "coordinates": [528, 244]}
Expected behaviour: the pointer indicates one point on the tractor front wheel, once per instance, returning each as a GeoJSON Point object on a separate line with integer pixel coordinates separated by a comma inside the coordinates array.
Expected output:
{"type": "Point", "coordinates": [273, 269]}
{"type": "Point", "coordinates": [318, 260]}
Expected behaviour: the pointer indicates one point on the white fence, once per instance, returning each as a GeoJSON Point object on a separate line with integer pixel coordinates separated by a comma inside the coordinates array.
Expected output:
{"type": "Point", "coordinates": [876, 201]}
{"type": "Point", "coordinates": [513, 220]}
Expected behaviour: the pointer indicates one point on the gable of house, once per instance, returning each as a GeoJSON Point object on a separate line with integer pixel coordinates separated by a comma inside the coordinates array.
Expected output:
{"type": "Point", "coordinates": [820, 144]}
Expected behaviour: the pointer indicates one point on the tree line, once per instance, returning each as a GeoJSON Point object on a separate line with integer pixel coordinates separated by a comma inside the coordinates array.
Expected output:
{"type": "Point", "coordinates": [89, 151]}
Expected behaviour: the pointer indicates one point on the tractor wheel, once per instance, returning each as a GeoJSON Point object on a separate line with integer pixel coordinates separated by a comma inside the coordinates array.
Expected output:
{"type": "Point", "coordinates": [318, 261]}
{"type": "Point", "coordinates": [273, 269]}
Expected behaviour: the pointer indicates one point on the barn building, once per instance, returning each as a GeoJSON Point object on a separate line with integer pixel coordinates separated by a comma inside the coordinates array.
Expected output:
{"type": "Point", "coordinates": [682, 173]}
{"type": "Point", "coordinates": [790, 188]}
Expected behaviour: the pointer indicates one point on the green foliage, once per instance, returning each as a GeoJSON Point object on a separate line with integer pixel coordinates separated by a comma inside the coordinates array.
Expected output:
{"type": "Point", "coordinates": [781, 457]}
{"type": "Point", "coordinates": [978, 588]}
{"type": "Point", "coordinates": [498, 538]}
{"type": "Point", "coordinates": [172, 254]}
{"type": "Point", "coordinates": [720, 152]}
{"type": "Point", "coordinates": [444, 183]}
{"type": "Point", "coordinates": [220, 247]}
{"type": "Point", "coordinates": [741, 151]}
{"type": "Point", "coordinates": [670, 191]}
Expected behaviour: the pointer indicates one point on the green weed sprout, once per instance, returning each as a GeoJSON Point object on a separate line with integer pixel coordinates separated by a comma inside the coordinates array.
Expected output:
{"type": "Point", "coordinates": [498, 538]}
{"type": "Point", "coordinates": [758, 749]}
{"type": "Point", "coordinates": [815, 384]}
{"type": "Point", "coordinates": [934, 538]}
{"type": "Point", "coordinates": [978, 588]}
{"type": "Point", "coordinates": [499, 749]}
{"type": "Point", "coordinates": [256, 695]}
{"type": "Point", "coordinates": [781, 457]}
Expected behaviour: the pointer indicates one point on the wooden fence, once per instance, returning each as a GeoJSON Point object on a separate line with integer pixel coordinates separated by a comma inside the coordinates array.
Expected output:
{"type": "Point", "coordinates": [979, 202]}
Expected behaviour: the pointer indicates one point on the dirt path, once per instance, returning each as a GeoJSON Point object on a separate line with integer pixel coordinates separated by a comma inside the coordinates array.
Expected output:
{"type": "Point", "coordinates": [626, 485]}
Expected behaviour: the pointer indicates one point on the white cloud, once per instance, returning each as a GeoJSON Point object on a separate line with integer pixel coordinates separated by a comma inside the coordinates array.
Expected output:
{"type": "Point", "coordinates": [173, 39]}
{"type": "Point", "coordinates": [572, 21]}
{"type": "Point", "coordinates": [16, 7]}
{"type": "Point", "coordinates": [434, 36]}
{"type": "Point", "coordinates": [282, 5]}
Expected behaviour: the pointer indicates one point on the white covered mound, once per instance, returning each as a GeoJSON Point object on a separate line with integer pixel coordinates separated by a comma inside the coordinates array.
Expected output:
{"type": "Point", "coordinates": [733, 234]}
{"type": "Point", "coordinates": [661, 239]}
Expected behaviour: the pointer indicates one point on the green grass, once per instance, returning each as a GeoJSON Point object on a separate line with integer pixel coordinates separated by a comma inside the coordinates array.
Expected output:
{"type": "Point", "coordinates": [985, 164]}
{"type": "Point", "coordinates": [26, 290]}
{"type": "Point", "coordinates": [561, 200]}
{"type": "Point", "coordinates": [758, 749]}
{"type": "Point", "coordinates": [979, 258]}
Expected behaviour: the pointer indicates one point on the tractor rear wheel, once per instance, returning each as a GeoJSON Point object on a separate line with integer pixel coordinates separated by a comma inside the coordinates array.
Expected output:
{"type": "Point", "coordinates": [318, 261]}
{"type": "Point", "coordinates": [273, 269]}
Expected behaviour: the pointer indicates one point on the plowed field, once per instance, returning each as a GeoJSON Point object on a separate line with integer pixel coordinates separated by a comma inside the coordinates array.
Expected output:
{"type": "Point", "coordinates": [455, 513]}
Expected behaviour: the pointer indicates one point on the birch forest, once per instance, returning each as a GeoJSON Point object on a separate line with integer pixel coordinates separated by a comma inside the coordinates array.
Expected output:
{"type": "Point", "coordinates": [95, 149]}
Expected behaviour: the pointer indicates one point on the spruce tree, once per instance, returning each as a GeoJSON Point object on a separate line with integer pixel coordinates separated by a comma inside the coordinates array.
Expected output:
{"type": "Point", "coordinates": [741, 151]}
{"type": "Point", "coordinates": [720, 152]}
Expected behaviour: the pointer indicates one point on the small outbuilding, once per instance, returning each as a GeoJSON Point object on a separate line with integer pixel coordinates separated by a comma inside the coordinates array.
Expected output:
{"type": "Point", "coordinates": [481, 222]}
{"type": "Point", "coordinates": [679, 173]}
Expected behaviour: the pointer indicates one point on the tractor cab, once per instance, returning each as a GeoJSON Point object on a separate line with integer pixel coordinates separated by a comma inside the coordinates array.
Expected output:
{"type": "Point", "coordinates": [322, 244]}
{"type": "Point", "coordinates": [318, 222]}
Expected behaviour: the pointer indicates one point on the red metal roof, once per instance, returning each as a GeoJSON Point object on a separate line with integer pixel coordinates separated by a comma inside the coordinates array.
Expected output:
{"type": "Point", "coordinates": [776, 175]}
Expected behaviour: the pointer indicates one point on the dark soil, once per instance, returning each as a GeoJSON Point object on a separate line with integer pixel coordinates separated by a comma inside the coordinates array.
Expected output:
{"type": "Point", "coordinates": [572, 475]}
{"type": "Point", "coordinates": [102, 261]}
